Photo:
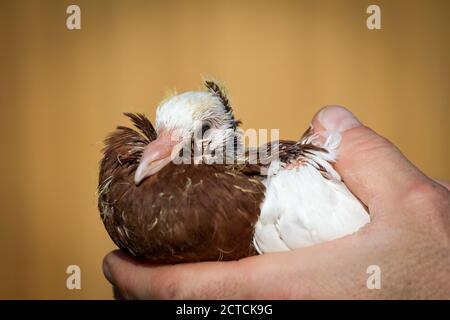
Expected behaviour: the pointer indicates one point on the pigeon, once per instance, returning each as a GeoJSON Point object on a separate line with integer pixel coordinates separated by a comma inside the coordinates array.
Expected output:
{"type": "Point", "coordinates": [166, 212]}
{"type": "Point", "coordinates": [188, 191]}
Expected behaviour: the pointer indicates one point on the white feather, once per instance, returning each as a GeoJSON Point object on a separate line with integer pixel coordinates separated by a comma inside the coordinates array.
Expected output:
{"type": "Point", "coordinates": [303, 208]}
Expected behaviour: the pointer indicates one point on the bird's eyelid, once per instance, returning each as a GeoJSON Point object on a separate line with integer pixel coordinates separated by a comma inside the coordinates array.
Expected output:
{"type": "Point", "coordinates": [205, 127]}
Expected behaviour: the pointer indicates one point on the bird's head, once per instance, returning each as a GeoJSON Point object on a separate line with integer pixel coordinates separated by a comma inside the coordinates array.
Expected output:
{"type": "Point", "coordinates": [203, 117]}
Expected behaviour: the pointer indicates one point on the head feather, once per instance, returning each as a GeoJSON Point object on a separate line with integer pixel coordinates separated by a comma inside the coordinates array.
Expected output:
{"type": "Point", "coordinates": [219, 92]}
{"type": "Point", "coordinates": [141, 122]}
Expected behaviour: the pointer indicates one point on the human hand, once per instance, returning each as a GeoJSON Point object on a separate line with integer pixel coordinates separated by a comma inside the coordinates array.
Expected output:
{"type": "Point", "coordinates": [408, 238]}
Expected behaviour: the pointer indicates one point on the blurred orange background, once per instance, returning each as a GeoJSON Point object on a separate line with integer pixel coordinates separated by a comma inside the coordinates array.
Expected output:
{"type": "Point", "coordinates": [62, 91]}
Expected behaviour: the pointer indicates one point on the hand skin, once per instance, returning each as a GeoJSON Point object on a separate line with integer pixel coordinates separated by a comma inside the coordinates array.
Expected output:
{"type": "Point", "coordinates": [408, 238]}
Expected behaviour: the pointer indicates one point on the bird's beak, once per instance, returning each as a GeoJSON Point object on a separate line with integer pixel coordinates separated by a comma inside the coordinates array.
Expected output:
{"type": "Point", "coordinates": [156, 155]}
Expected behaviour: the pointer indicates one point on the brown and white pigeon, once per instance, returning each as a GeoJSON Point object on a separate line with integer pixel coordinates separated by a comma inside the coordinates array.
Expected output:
{"type": "Point", "coordinates": [165, 212]}
{"type": "Point", "coordinates": [158, 208]}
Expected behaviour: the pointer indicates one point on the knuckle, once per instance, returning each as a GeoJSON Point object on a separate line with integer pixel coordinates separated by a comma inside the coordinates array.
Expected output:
{"type": "Point", "coordinates": [431, 202]}
{"type": "Point", "coordinates": [427, 194]}
{"type": "Point", "coordinates": [172, 290]}
{"type": "Point", "coordinates": [168, 285]}
{"type": "Point", "coordinates": [226, 284]}
{"type": "Point", "coordinates": [123, 285]}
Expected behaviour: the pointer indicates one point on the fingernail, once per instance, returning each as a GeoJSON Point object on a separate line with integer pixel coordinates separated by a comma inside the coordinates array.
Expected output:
{"type": "Point", "coordinates": [337, 118]}
{"type": "Point", "coordinates": [107, 272]}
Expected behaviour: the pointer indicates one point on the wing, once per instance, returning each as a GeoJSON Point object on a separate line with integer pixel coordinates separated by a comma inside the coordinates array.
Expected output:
{"type": "Point", "coordinates": [306, 201]}
{"type": "Point", "coordinates": [303, 208]}
{"type": "Point", "coordinates": [318, 150]}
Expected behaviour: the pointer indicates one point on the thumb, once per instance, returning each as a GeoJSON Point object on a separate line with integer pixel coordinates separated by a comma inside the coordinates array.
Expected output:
{"type": "Point", "coordinates": [371, 166]}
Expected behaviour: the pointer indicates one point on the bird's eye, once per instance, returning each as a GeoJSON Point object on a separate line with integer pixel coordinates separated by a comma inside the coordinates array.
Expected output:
{"type": "Point", "coordinates": [205, 127]}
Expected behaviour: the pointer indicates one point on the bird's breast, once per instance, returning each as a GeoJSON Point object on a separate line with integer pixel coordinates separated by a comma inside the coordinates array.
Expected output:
{"type": "Point", "coordinates": [183, 213]}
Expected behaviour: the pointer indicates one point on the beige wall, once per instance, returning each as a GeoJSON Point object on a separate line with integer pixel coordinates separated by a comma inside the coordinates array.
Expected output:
{"type": "Point", "coordinates": [62, 91]}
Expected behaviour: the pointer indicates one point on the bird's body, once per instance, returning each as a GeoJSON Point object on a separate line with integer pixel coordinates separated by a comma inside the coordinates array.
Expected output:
{"type": "Point", "coordinates": [160, 210]}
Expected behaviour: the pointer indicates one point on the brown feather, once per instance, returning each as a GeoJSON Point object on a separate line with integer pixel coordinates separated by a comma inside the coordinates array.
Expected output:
{"type": "Point", "coordinates": [287, 151]}
{"type": "Point", "coordinates": [215, 89]}
{"type": "Point", "coordinates": [183, 213]}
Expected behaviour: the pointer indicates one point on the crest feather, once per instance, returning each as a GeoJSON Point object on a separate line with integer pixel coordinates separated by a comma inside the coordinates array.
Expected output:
{"type": "Point", "coordinates": [220, 92]}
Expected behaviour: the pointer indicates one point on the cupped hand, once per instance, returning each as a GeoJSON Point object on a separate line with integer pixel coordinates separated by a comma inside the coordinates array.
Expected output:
{"type": "Point", "coordinates": [408, 240]}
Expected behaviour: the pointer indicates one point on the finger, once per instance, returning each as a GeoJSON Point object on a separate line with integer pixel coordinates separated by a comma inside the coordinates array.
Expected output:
{"type": "Point", "coordinates": [303, 274]}
{"type": "Point", "coordinates": [371, 166]}
{"type": "Point", "coordinates": [443, 183]}
{"type": "Point", "coordinates": [116, 294]}
{"type": "Point", "coordinates": [212, 280]}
